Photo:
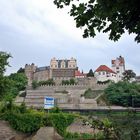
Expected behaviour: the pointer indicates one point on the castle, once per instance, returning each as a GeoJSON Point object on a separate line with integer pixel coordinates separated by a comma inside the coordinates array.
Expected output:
{"type": "Point", "coordinates": [58, 70]}
{"type": "Point", "coordinates": [65, 69]}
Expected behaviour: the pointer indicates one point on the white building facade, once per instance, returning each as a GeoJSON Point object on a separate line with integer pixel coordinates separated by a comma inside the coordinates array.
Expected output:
{"type": "Point", "coordinates": [104, 73]}
{"type": "Point", "coordinates": [118, 66]}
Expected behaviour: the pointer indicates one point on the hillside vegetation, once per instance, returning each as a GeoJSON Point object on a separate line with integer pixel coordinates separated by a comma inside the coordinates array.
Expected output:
{"type": "Point", "coordinates": [123, 94]}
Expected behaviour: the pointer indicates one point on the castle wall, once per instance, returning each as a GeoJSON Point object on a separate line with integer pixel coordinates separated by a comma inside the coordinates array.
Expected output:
{"type": "Point", "coordinates": [41, 75]}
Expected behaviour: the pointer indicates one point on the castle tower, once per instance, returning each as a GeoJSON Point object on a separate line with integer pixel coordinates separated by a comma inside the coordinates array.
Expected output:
{"type": "Point", "coordinates": [53, 63]}
{"type": "Point", "coordinates": [118, 66]}
{"type": "Point", "coordinates": [29, 72]}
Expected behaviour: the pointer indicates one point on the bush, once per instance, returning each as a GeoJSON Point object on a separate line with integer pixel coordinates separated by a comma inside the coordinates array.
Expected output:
{"type": "Point", "coordinates": [124, 94]}
{"type": "Point", "coordinates": [72, 136]}
{"type": "Point", "coordinates": [48, 82]}
{"type": "Point", "coordinates": [35, 84]}
{"type": "Point", "coordinates": [91, 94]}
{"type": "Point", "coordinates": [77, 136]}
{"type": "Point", "coordinates": [69, 82]}
{"type": "Point", "coordinates": [61, 121]}
{"type": "Point", "coordinates": [26, 122]}
{"type": "Point", "coordinates": [56, 110]}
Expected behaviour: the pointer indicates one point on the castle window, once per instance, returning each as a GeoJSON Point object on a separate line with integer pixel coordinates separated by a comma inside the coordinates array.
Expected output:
{"type": "Point", "coordinates": [117, 67]}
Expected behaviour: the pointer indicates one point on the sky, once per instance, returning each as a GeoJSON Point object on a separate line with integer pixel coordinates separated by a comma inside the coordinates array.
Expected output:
{"type": "Point", "coordinates": [34, 31]}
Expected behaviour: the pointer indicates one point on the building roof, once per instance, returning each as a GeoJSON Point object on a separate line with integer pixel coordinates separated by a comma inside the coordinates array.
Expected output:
{"type": "Point", "coordinates": [42, 68]}
{"type": "Point", "coordinates": [78, 73]}
{"type": "Point", "coordinates": [104, 68]}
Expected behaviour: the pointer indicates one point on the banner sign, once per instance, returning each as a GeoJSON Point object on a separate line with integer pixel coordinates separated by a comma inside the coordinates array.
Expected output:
{"type": "Point", "coordinates": [48, 102]}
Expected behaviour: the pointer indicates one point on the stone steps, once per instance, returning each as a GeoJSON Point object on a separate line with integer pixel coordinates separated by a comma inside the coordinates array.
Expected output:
{"type": "Point", "coordinates": [73, 100]}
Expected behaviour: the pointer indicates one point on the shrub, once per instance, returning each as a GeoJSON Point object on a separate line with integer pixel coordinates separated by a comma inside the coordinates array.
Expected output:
{"type": "Point", "coordinates": [35, 84]}
{"type": "Point", "coordinates": [72, 136]}
{"type": "Point", "coordinates": [123, 93]}
{"type": "Point", "coordinates": [68, 82]}
{"type": "Point", "coordinates": [48, 82]}
{"type": "Point", "coordinates": [27, 122]}
{"type": "Point", "coordinates": [55, 110]}
{"type": "Point", "coordinates": [61, 121]}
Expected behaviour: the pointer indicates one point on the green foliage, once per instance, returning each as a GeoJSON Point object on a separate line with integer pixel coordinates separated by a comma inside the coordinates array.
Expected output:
{"type": "Point", "coordinates": [4, 81]}
{"type": "Point", "coordinates": [123, 93]}
{"type": "Point", "coordinates": [71, 136]}
{"type": "Point", "coordinates": [5, 86]}
{"type": "Point", "coordinates": [128, 75]}
{"type": "Point", "coordinates": [103, 82]}
{"type": "Point", "coordinates": [92, 93]}
{"type": "Point", "coordinates": [48, 82]}
{"type": "Point", "coordinates": [77, 136]}
{"type": "Point", "coordinates": [56, 110]}
{"type": "Point", "coordinates": [61, 91]}
{"type": "Point", "coordinates": [106, 16]}
{"type": "Point", "coordinates": [26, 122]}
{"type": "Point", "coordinates": [23, 119]}
{"type": "Point", "coordinates": [90, 73]}
{"type": "Point", "coordinates": [65, 82]}
{"type": "Point", "coordinates": [34, 84]}
{"type": "Point", "coordinates": [23, 108]}
{"type": "Point", "coordinates": [19, 79]}
{"type": "Point", "coordinates": [10, 85]}
{"type": "Point", "coordinates": [69, 82]}
{"type": "Point", "coordinates": [61, 121]}
{"type": "Point", "coordinates": [3, 62]}
{"type": "Point", "coordinates": [21, 70]}
{"type": "Point", "coordinates": [107, 128]}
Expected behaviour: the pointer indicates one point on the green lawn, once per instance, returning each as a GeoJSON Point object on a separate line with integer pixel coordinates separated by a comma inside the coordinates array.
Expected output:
{"type": "Point", "coordinates": [91, 94]}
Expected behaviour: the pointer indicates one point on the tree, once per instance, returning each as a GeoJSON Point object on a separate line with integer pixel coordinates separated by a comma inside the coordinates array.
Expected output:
{"type": "Point", "coordinates": [90, 73]}
{"type": "Point", "coordinates": [21, 70]}
{"type": "Point", "coordinates": [19, 79]}
{"type": "Point", "coordinates": [128, 75]}
{"type": "Point", "coordinates": [113, 16]}
{"type": "Point", "coordinates": [123, 94]}
{"type": "Point", "coordinates": [3, 62]}
{"type": "Point", "coordinates": [4, 81]}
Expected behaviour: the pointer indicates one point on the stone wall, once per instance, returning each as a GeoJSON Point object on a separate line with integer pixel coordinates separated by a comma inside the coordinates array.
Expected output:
{"type": "Point", "coordinates": [70, 100]}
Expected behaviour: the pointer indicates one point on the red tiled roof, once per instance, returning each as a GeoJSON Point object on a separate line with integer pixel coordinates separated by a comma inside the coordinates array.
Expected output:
{"type": "Point", "coordinates": [104, 68]}
{"type": "Point", "coordinates": [78, 73]}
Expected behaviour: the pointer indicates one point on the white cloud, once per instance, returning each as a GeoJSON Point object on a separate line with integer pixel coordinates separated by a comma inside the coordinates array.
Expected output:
{"type": "Point", "coordinates": [40, 30]}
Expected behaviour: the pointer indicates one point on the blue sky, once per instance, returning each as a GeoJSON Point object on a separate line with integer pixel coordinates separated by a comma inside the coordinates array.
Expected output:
{"type": "Point", "coordinates": [36, 31]}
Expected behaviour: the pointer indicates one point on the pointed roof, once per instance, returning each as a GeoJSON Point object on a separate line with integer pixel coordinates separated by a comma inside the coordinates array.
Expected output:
{"type": "Point", "coordinates": [104, 68]}
{"type": "Point", "coordinates": [78, 73]}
